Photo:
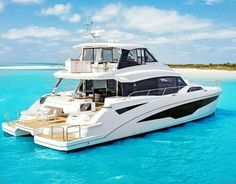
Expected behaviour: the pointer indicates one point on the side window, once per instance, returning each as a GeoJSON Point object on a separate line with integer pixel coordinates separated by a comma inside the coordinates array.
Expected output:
{"type": "Point", "coordinates": [85, 107]}
{"type": "Point", "coordinates": [116, 54]}
{"type": "Point", "coordinates": [98, 55]}
{"type": "Point", "coordinates": [88, 55]}
{"type": "Point", "coordinates": [164, 82]}
{"type": "Point", "coordinates": [111, 87]}
{"type": "Point", "coordinates": [132, 56]}
{"type": "Point", "coordinates": [89, 86]}
{"type": "Point", "coordinates": [107, 55]}
{"type": "Point", "coordinates": [127, 88]}
{"type": "Point", "coordinates": [149, 57]}
{"type": "Point", "coordinates": [180, 82]}
{"type": "Point", "coordinates": [140, 56]}
{"type": "Point", "coordinates": [145, 84]}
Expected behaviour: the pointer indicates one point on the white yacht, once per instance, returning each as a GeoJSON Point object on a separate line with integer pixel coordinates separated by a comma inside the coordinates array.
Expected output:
{"type": "Point", "coordinates": [120, 90]}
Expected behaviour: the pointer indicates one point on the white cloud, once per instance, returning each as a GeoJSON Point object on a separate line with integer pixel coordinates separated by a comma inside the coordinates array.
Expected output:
{"type": "Point", "coordinates": [150, 19]}
{"type": "Point", "coordinates": [35, 32]}
{"type": "Point", "coordinates": [216, 35]}
{"type": "Point", "coordinates": [57, 10]}
{"type": "Point", "coordinates": [206, 2]}
{"type": "Point", "coordinates": [184, 38]}
{"type": "Point", "coordinates": [1, 5]}
{"type": "Point", "coordinates": [107, 13]}
{"type": "Point", "coordinates": [212, 2]}
{"type": "Point", "coordinates": [27, 1]}
{"type": "Point", "coordinates": [157, 26]}
{"type": "Point", "coordinates": [62, 11]}
{"type": "Point", "coordinates": [119, 35]}
{"type": "Point", "coordinates": [74, 18]}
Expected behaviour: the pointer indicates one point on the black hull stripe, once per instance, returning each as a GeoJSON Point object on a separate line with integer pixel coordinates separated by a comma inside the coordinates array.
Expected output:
{"type": "Point", "coordinates": [182, 110]}
{"type": "Point", "coordinates": [125, 109]}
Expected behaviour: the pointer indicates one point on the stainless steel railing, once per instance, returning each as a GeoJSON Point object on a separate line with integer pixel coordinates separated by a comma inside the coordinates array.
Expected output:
{"type": "Point", "coordinates": [11, 115]}
{"type": "Point", "coordinates": [159, 91]}
{"type": "Point", "coordinates": [76, 66]}
{"type": "Point", "coordinates": [65, 131]}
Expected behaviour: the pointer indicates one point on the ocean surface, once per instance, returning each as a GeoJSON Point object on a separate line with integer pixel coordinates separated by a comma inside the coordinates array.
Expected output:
{"type": "Point", "coordinates": [202, 151]}
{"type": "Point", "coordinates": [31, 64]}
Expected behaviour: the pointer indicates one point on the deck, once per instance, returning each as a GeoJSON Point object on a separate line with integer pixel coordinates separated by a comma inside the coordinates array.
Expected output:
{"type": "Point", "coordinates": [58, 129]}
{"type": "Point", "coordinates": [37, 123]}
{"type": "Point", "coordinates": [60, 136]}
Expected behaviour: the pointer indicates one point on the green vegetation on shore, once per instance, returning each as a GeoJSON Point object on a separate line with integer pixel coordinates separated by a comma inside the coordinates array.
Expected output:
{"type": "Point", "coordinates": [224, 66]}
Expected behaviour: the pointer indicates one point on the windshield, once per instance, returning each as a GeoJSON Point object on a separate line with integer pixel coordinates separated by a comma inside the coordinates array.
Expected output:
{"type": "Point", "coordinates": [63, 85]}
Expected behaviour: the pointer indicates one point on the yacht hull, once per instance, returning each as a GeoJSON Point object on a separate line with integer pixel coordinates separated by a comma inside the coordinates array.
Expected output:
{"type": "Point", "coordinates": [12, 130]}
{"type": "Point", "coordinates": [130, 123]}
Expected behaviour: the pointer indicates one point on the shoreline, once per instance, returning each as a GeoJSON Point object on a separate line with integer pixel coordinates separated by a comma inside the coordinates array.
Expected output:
{"type": "Point", "coordinates": [185, 72]}
{"type": "Point", "coordinates": [205, 74]}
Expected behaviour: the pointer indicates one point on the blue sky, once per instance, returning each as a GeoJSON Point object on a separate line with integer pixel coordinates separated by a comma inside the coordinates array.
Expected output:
{"type": "Point", "coordinates": [176, 31]}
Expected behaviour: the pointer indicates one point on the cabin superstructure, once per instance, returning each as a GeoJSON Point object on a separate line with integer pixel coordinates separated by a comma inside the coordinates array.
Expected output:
{"type": "Point", "coordinates": [113, 69]}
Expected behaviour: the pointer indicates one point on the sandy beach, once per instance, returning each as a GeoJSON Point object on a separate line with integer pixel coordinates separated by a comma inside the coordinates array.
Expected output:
{"type": "Point", "coordinates": [206, 74]}
{"type": "Point", "coordinates": [185, 72]}
{"type": "Point", "coordinates": [30, 67]}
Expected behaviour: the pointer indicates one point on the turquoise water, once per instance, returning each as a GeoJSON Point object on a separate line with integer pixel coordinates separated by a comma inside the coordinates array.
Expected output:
{"type": "Point", "coordinates": [203, 151]}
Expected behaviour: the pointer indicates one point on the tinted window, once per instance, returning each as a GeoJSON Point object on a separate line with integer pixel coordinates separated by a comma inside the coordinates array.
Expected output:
{"type": "Point", "coordinates": [111, 85]}
{"type": "Point", "coordinates": [195, 88]}
{"type": "Point", "coordinates": [85, 107]}
{"type": "Point", "coordinates": [88, 55]}
{"type": "Point", "coordinates": [101, 54]}
{"type": "Point", "coordinates": [97, 55]}
{"type": "Point", "coordinates": [127, 88]}
{"type": "Point", "coordinates": [132, 56]}
{"type": "Point", "coordinates": [149, 57]}
{"type": "Point", "coordinates": [140, 56]}
{"type": "Point", "coordinates": [89, 85]}
{"type": "Point", "coordinates": [116, 54]}
{"type": "Point", "coordinates": [180, 82]}
{"type": "Point", "coordinates": [98, 84]}
{"type": "Point", "coordinates": [145, 84]}
{"type": "Point", "coordinates": [164, 82]}
{"type": "Point", "coordinates": [107, 55]}
{"type": "Point", "coordinates": [157, 86]}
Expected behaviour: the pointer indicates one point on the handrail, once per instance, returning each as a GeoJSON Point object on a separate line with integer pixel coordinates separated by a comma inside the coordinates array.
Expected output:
{"type": "Point", "coordinates": [7, 115]}
{"type": "Point", "coordinates": [156, 89]}
{"type": "Point", "coordinates": [65, 131]}
{"type": "Point", "coordinates": [72, 126]}
{"type": "Point", "coordinates": [209, 83]}
{"type": "Point", "coordinates": [91, 66]}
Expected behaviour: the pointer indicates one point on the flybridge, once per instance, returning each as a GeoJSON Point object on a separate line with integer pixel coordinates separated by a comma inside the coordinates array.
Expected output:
{"type": "Point", "coordinates": [107, 57]}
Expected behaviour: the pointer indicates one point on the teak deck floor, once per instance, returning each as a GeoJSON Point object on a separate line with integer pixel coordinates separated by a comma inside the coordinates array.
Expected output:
{"type": "Point", "coordinates": [37, 123]}
{"type": "Point", "coordinates": [59, 136]}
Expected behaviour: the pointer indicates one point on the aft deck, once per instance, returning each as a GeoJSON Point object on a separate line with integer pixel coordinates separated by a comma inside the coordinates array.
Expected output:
{"type": "Point", "coordinates": [56, 128]}
{"type": "Point", "coordinates": [60, 136]}
{"type": "Point", "coordinates": [38, 123]}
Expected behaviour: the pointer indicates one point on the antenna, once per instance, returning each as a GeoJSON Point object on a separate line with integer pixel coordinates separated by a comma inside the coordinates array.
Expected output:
{"type": "Point", "coordinates": [91, 31]}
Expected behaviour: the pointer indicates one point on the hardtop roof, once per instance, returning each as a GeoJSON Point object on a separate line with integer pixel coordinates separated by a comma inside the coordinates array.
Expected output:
{"type": "Point", "coordinates": [108, 45]}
